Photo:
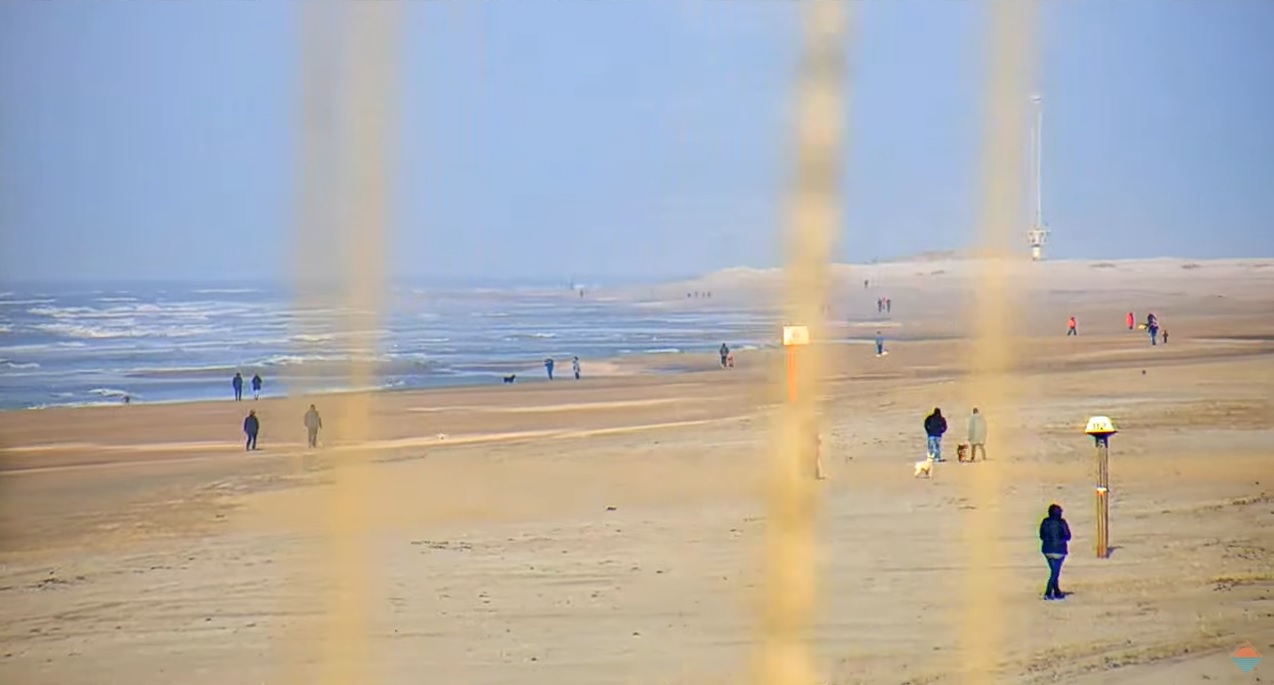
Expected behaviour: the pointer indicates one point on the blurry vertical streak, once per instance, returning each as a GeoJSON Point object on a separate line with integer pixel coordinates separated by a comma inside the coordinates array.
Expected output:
{"type": "Point", "coordinates": [815, 213]}
{"type": "Point", "coordinates": [994, 384]}
{"type": "Point", "coordinates": [344, 179]}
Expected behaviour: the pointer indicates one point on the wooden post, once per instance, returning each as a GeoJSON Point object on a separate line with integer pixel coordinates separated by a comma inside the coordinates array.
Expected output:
{"type": "Point", "coordinates": [1103, 495]}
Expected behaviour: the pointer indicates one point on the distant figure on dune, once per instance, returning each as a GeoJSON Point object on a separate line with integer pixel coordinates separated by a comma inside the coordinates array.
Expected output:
{"type": "Point", "coordinates": [865, 281]}
{"type": "Point", "coordinates": [889, 305]}
{"type": "Point", "coordinates": [256, 386]}
{"type": "Point", "coordinates": [1071, 327]}
{"type": "Point", "coordinates": [1132, 321]}
{"type": "Point", "coordinates": [977, 435]}
{"type": "Point", "coordinates": [251, 426]}
{"type": "Point", "coordinates": [548, 367]}
{"type": "Point", "coordinates": [575, 366]}
{"type": "Point", "coordinates": [725, 355]}
{"type": "Point", "coordinates": [237, 384]}
{"type": "Point", "coordinates": [313, 422]}
{"type": "Point", "coordinates": [1054, 536]}
{"type": "Point", "coordinates": [1164, 334]}
{"type": "Point", "coordinates": [935, 427]}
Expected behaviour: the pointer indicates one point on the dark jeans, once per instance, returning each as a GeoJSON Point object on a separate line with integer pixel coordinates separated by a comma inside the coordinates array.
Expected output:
{"type": "Point", "coordinates": [313, 437]}
{"type": "Point", "coordinates": [238, 394]}
{"type": "Point", "coordinates": [252, 442]}
{"type": "Point", "coordinates": [1054, 573]}
{"type": "Point", "coordinates": [1071, 331]}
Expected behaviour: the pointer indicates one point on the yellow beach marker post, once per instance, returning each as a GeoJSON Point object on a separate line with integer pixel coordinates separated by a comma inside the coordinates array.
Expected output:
{"type": "Point", "coordinates": [1101, 428]}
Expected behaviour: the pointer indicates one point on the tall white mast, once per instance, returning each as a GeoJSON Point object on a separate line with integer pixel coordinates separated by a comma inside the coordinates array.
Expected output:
{"type": "Point", "coordinates": [1038, 233]}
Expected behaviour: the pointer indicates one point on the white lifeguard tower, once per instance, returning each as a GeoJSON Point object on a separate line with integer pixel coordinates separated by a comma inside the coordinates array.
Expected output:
{"type": "Point", "coordinates": [1038, 234]}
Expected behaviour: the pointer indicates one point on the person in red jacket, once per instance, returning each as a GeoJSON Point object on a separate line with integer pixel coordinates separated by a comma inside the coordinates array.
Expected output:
{"type": "Point", "coordinates": [1132, 321]}
{"type": "Point", "coordinates": [1070, 327]}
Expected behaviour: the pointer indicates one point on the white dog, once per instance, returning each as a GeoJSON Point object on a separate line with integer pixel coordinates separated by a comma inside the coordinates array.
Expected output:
{"type": "Point", "coordinates": [924, 467]}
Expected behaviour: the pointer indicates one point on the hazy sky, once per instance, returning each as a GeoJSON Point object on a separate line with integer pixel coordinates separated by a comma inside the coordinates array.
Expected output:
{"type": "Point", "coordinates": [544, 139]}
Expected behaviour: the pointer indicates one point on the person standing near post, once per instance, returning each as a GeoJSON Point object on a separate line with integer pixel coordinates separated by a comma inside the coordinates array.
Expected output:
{"type": "Point", "coordinates": [1054, 536]}
{"type": "Point", "coordinates": [935, 426]}
{"type": "Point", "coordinates": [237, 384]}
{"type": "Point", "coordinates": [251, 426]}
{"type": "Point", "coordinates": [977, 435]}
{"type": "Point", "coordinates": [313, 422]}
{"type": "Point", "coordinates": [256, 386]}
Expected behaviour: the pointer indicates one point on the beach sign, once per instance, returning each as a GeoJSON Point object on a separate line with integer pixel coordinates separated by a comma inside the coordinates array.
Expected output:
{"type": "Point", "coordinates": [795, 335]}
{"type": "Point", "coordinates": [1246, 657]}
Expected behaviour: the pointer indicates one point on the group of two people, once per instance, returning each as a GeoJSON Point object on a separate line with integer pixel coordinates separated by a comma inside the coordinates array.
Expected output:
{"type": "Point", "coordinates": [237, 384]}
{"type": "Point", "coordinates": [936, 427]}
{"type": "Point", "coordinates": [549, 365]}
{"type": "Point", "coordinates": [252, 428]}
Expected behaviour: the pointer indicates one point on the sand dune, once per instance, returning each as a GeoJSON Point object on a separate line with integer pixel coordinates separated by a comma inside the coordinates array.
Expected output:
{"type": "Point", "coordinates": [609, 531]}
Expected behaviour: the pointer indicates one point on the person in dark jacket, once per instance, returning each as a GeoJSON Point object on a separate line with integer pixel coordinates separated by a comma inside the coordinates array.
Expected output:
{"type": "Point", "coordinates": [1054, 536]}
{"type": "Point", "coordinates": [935, 426]}
{"type": "Point", "coordinates": [251, 426]}
{"type": "Point", "coordinates": [256, 386]}
{"type": "Point", "coordinates": [237, 384]}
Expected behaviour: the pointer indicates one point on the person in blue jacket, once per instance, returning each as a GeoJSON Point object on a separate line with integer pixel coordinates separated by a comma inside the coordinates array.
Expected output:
{"type": "Point", "coordinates": [1054, 536]}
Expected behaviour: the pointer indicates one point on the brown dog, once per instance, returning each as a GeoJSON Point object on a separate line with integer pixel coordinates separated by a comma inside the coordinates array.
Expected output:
{"type": "Point", "coordinates": [962, 453]}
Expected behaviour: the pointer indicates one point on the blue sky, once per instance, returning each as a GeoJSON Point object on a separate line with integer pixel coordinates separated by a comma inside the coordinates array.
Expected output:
{"type": "Point", "coordinates": [541, 139]}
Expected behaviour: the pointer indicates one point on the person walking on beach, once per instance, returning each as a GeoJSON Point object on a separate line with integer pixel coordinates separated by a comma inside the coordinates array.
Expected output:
{"type": "Point", "coordinates": [889, 305]}
{"type": "Point", "coordinates": [880, 344]}
{"type": "Point", "coordinates": [1132, 321]}
{"type": "Point", "coordinates": [548, 367]}
{"type": "Point", "coordinates": [313, 422]}
{"type": "Point", "coordinates": [237, 384]}
{"type": "Point", "coordinates": [1054, 536]}
{"type": "Point", "coordinates": [575, 367]}
{"type": "Point", "coordinates": [977, 435]}
{"type": "Point", "coordinates": [251, 426]}
{"type": "Point", "coordinates": [1071, 327]}
{"type": "Point", "coordinates": [256, 386]}
{"type": "Point", "coordinates": [935, 427]}
{"type": "Point", "coordinates": [1164, 334]}
{"type": "Point", "coordinates": [725, 354]}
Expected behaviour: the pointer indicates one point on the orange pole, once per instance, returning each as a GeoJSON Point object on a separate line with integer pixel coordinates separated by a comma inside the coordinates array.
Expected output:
{"type": "Point", "coordinates": [791, 373]}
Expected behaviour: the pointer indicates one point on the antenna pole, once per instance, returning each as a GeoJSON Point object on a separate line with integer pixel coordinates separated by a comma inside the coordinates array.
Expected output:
{"type": "Point", "coordinates": [1039, 162]}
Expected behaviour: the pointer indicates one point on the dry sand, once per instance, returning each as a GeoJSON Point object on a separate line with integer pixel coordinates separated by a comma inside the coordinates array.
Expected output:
{"type": "Point", "coordinates": [608, 531]}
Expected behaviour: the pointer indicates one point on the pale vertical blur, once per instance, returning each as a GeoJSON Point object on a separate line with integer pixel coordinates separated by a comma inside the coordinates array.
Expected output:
{"type": "Point", "coordinates": [993, 385]}
{"type": "Point", "coordinates": [349, 68]}
{"type": "Point", "coordinates": [815, 214]}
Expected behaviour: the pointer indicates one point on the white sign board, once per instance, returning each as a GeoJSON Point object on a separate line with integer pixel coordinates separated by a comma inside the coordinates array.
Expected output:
{"type": "Point", "coordinates": [795, 335]}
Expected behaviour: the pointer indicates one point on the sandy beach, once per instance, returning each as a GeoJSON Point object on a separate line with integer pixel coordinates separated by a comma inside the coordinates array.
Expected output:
{"type": "Point", "coordinates": [609, 530]}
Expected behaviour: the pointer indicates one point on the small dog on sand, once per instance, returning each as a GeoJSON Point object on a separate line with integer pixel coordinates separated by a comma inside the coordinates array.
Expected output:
{"type": "Point", "coordinates": [962, 452]}
{"type": "Point", "coordinates": [510, 378]}
{"type": "Point", "coordinates": [924, 467]}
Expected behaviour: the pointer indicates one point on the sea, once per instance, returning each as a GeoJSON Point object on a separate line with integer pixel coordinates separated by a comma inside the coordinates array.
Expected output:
{"type": "Point", "coordinates": [83, 346]}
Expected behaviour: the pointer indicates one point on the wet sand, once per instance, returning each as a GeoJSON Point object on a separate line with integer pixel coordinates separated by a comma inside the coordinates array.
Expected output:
{"type": "Point", "coordinates": [609, 530]}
